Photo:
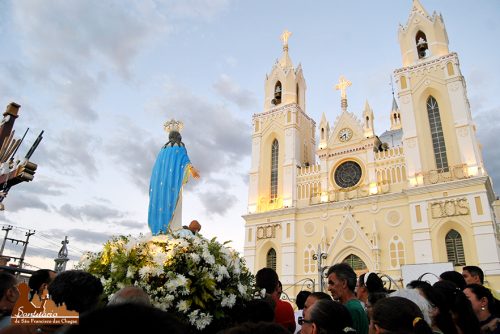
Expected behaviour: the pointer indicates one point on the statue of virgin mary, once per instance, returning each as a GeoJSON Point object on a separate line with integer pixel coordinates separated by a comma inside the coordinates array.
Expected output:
{"type": "Point", "coordinates": [171, 170]}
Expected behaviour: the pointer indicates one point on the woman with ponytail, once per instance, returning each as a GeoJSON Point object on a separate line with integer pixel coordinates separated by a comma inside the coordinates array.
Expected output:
{"type": "Point", "coordinates": [398, 315]}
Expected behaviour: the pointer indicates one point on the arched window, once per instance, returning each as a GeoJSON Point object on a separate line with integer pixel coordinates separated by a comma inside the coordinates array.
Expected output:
{"type": "Point", "coordinates": [277, 93]}
{"type": "Point", "coordinates": [355, 262]}
{"type": "Point", "coordinates": [271, 259]}
{"type": "Point", "coordinates": [455, 248]}
{"type": "Point", "coordinates": [437, 134]}
{"type": "Point", "coordinates": [422, 46]}
{"type": "Point", "coordinates": [396, 252]}
{"type": "Point", "coordinates": [309, 263]}
{"type": "Point", "coordinates": [274, 170]}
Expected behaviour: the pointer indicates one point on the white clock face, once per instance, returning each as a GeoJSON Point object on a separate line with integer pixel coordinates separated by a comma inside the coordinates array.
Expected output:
{"type": "Point", "coordinates": [345, 134]}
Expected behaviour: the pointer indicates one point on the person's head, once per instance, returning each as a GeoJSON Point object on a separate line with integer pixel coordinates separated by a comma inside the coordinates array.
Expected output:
{"type": "Point", "coordinates": [398, 315]}
{"type": "Point", "coordinates": [473, 275]}
{"type": "Point", "coordinates": [313, 298]}
{"type": "Point", "coordinates": [368, 282]}
{"type": "Point", "coordinates": [130, 295]}
{"type": "Point", "coordinates": [300, 300]}
{"type": "Point", "coordinates": [481, 299]}
{"type": "Point", "coordinates": [439, 311]}
{"type": "Point", "coordinates": [373, 298]}
{"type": "Point", "coordinates": [8, 292]}
{"type": "Point", "coordinates": [341, 281]}
{"type": "Point", "coordinates": [327, 317]}
{"type": "Point", "coordinates": [195, 226]}
{"type": "Point", "coordinates": [267, 278]}
{"type": "Point", "coordinates": [79, 290]}
{"type": "Point", "coordinates": [418, 299]}
{"type": "Point", "coordinates": [257, 310]}
{"type": "Point", "coordinates": [454, 277]}
{"type": "Point", "coordinates": [461, 309]}
{"type": "Point", "coordinates": [40, 280]}
{"type": "Point", "coordinates": [122, 318]}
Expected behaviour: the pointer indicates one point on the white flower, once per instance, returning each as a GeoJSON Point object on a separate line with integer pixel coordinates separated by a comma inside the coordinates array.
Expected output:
{"type": "Point", "coordinates": [204, 320]}
{"type": "Point", "coordinates": [113, 267]}
{"type": "Point", "coordinates": [130, 272]}
{"type": "Point", "coordinates": [195, 257]}
{"type": "Point", "coordinates": [160, 258]}
{"type": "Point", "coordinates": [146, 271]}
{"type": "Point", "coordinates": [228, 301]}
{"type": "Point", "coordinates": [242, 289]}
{"type": "Point", "coordinates": [221, 272]}
{"type": "Point", "coordinates": [209, 258]}
{"type": "Point", "coordinates": [161, 238]}
{"type": "Point", "coordinates": [193, 317]}
{"type": "Point", "coordinates": [183, 306]}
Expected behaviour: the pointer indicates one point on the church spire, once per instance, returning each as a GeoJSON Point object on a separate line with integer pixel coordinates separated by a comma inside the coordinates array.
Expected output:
{"type": "Point", "coordinates": [417, 7]}
{"type": "Point", "coordinates": [285, 61]}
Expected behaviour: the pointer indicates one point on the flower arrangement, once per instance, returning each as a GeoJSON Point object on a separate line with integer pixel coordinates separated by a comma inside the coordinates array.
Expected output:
{"type": "Point", "coordinates": [199, 280]}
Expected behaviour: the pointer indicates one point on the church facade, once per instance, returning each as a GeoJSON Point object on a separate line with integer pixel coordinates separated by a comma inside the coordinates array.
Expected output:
{"type": "Point", "coordinates": [415, 194]}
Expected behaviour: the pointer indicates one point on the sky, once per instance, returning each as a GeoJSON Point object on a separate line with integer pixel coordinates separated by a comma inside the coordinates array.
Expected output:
{"type": "Point", "coordinates": [101, 78]}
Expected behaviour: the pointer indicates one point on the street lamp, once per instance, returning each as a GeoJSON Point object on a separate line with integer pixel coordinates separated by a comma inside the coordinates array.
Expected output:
{"type": "Point", "coordinates": [319, 257]}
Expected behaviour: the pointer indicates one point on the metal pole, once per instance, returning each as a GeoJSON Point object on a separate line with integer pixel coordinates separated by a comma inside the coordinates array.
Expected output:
{"type": "Point", "coordinates": [28, 235]}
{"type": "Point", "coordinates": [6, 229]}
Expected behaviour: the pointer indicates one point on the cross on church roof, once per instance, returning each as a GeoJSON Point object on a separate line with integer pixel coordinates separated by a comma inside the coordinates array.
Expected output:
{"type": "Point", "coordinates": [342, 86]}
{"type": "Point", "coordinates": [284, 38]}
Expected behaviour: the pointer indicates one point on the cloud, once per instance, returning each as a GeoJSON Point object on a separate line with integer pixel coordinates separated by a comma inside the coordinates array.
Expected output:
{"type": "Point", "coordinates": [194, 9]}
{"type": "Point", "coordinates": [18, 201]}
{"type": "Point", "coordinates": [487, 125]}
{"type": "Point", "coordinates": [219, 201]}
{"type": "Point", "coordinates": [29, 195]}
{"type": "Point", "coordinates": [86, 236]}
{"type": "Point", "coordinates": [94, 212]}
{"type": "Point", "coordinates": [133, 224]}
{"type": "Point", "coordinates": [69, 153]}
{"type": "Point", "coordinates": [135, 157]}
{"type": "Point", "coordinates": [75, 34]}
{"type": "Point", "coordinates": [232, 92]}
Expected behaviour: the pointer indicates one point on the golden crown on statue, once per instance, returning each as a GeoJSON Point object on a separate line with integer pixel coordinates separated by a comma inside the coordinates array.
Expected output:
{"type": "Point", "coordinates": [173, 125]}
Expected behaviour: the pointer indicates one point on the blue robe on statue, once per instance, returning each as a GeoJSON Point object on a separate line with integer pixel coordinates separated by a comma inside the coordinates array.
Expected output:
{"type": "Point", "coordinates": [170, 172]}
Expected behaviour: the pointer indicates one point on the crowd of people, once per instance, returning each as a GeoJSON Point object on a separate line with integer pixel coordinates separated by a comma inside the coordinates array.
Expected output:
{"type": "Point", "coordinates": [459, 303]}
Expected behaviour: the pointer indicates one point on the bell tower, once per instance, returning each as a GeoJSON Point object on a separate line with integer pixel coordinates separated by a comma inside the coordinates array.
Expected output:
{"type": "Point", "coordinates": [283, 137]}
{"type": "Point", "coordinates": [438, 131]}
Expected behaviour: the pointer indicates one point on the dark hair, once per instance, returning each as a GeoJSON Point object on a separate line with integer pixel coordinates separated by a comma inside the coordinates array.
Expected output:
{"type": "Point", "coordinates": [267, 278]}
{"type": "Point", "coordinates": [38, 278]}
{"type": "Point", "coordinates": [374, 297]}
{"type": "Point", "coordinates": [257, 310]}
{"type": "Point", "coordinates": [482, 292]}
{"type": "Point", "coordinates": [122, 318]}
{"type": "Point", "coordinates": [320, 295]}
{"type": "Point", "coordinates": [436, 298]}
{"type": "Point", "coordinates": [460, 307]}
{"type": "Point", "coordinates": [371, 281]}
{"type": "Point", "coordinates": [7, 281]}
{"type": "Point", "coordinates": [301, 298]}
{"type": "Point", "coordinates": [454, 277]}
{"type": "Point", "coordinates": [344, 272]}
{"type": "Point", "coordinates": [399, 315]}
{"type": "Point", "coordinates": [79, 290]}
{"type": "Point", "coordinates": [475, 271]}
{"type": "Point", "coordinates": [330, 316]}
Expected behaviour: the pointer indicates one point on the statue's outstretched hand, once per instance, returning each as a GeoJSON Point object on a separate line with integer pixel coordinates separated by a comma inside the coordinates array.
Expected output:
{"type": "Point", "coordinates": [195, 173]}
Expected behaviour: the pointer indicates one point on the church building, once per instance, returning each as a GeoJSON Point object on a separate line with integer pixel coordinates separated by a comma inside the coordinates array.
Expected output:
{"type": "Point", "coordinates": [417, 193]}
